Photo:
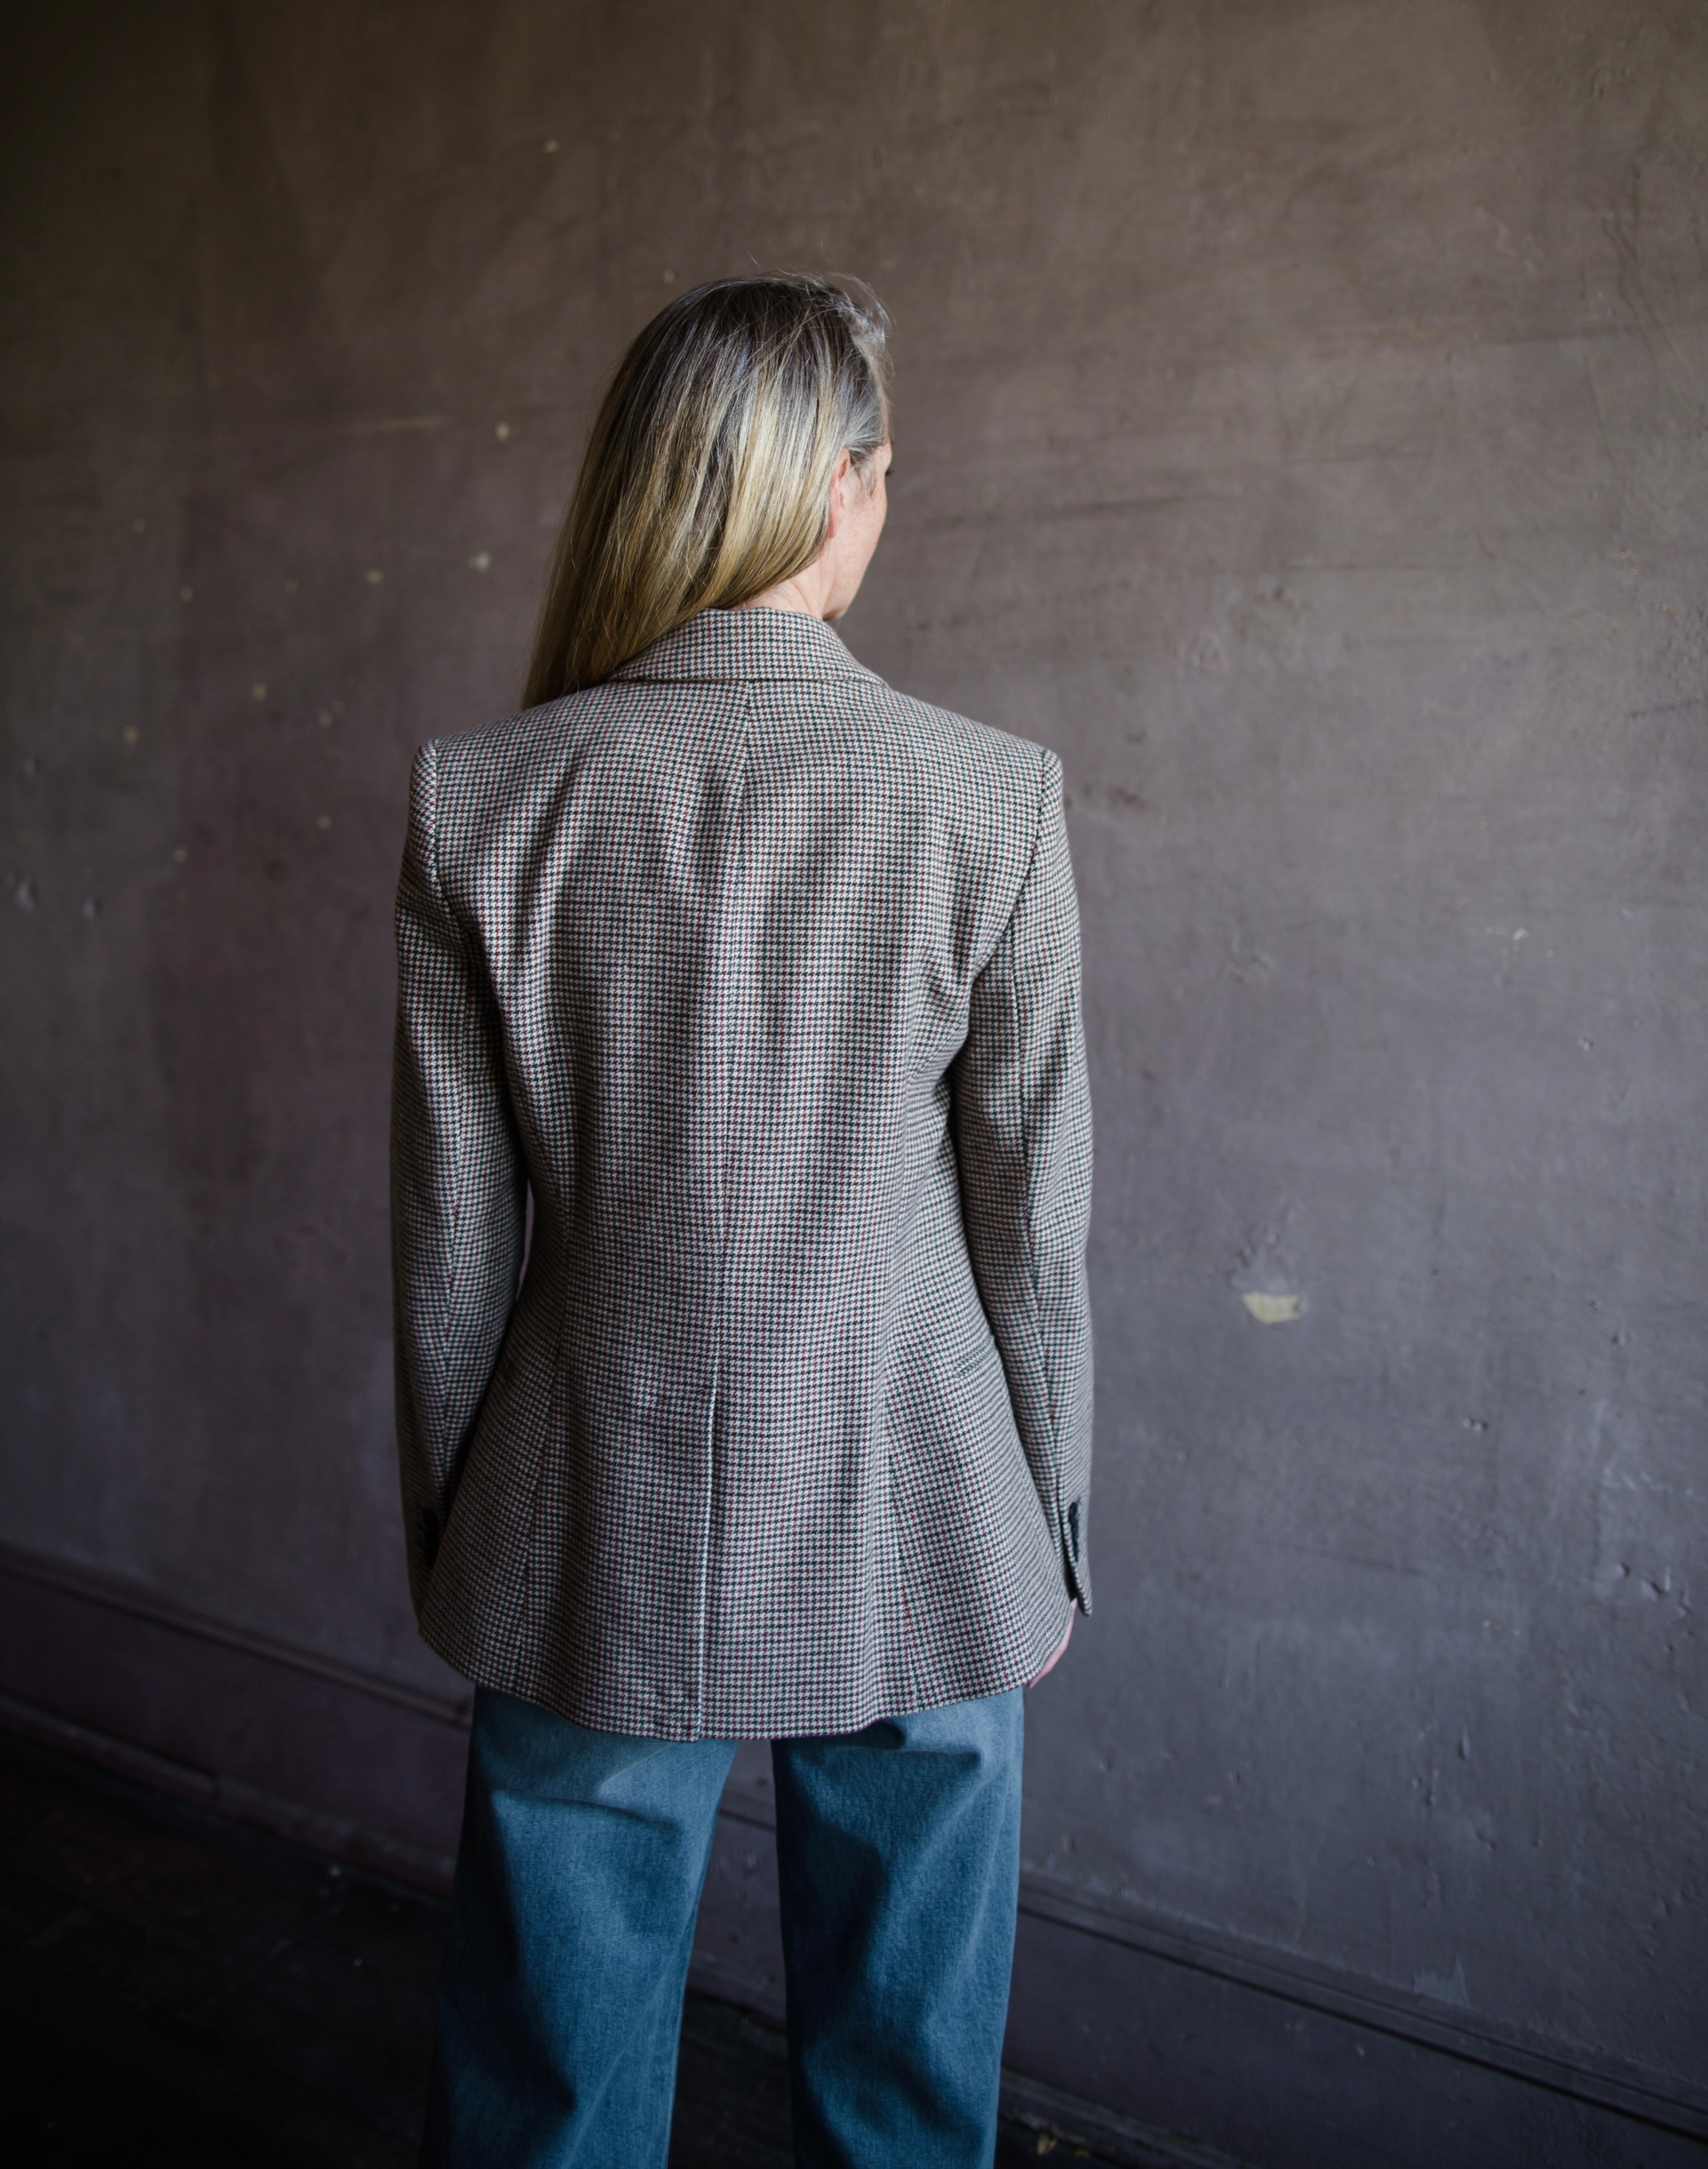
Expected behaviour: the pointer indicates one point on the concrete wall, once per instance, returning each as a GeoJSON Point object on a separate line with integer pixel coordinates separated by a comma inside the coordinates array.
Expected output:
{"type": "Point", "coordinates": [1302, 425]}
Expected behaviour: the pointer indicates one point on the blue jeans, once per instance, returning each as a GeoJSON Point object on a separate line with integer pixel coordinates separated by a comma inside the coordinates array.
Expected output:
{"type": "Point", "coordinates": [572, 1919]}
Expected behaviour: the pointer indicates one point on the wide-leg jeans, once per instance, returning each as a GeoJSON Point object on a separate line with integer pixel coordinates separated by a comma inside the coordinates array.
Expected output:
{"type": "Point", "coordinates": [583, 1859]}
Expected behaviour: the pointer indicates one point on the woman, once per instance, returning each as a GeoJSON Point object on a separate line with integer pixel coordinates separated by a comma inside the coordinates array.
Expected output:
{"type": "Point", "coordinates": [762, 981]}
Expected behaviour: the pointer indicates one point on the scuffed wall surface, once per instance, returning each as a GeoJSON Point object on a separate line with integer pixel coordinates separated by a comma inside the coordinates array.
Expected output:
{"type": "Point", "coordinates": [1302, 426]}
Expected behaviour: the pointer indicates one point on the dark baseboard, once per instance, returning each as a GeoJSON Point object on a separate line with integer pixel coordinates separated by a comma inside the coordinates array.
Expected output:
{"type": "Point", "coordinates": [1197, 2049]}
{"type": "Point", "coordinates": [368, 1768]}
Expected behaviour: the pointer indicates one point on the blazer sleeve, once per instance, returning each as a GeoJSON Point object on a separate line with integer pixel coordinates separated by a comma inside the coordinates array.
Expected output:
{"type": "Point", "coordinates": [1023, 1141]}
{"type": "Point", "coordinates": [458, 1179]}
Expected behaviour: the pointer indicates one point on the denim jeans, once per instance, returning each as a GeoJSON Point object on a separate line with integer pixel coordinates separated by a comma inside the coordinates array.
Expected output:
{"type": "Point", "coordinates": [572, 1919]}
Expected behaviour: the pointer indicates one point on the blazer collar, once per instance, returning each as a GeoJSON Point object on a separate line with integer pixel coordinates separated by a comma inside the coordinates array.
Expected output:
{"type": "Point", "coordinates": [745, 643]}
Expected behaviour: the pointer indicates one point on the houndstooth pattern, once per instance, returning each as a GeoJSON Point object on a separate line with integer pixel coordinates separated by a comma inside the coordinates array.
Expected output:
{"type": "Point", "coordinates": [765, 980]}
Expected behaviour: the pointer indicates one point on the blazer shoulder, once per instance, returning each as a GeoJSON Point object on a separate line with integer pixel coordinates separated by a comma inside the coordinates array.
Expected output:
{"type": "Point", "coordinates": [990, 793]}
{"type": "Point", "coordinates": [470, 761]}
{"type": "Point", "coordinates": [979, 752]}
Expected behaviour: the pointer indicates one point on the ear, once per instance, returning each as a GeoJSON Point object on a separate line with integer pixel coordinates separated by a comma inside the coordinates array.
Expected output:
{"type": "Point", "coordinates": [839, 491]}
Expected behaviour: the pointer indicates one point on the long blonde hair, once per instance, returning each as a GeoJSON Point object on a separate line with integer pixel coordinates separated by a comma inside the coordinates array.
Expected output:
{"type": "Point", "coordinates": [707, 476]}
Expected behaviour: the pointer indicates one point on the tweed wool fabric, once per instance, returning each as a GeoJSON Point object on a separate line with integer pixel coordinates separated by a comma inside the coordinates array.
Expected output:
{"type": "Point", "coordinates": [764, 980]}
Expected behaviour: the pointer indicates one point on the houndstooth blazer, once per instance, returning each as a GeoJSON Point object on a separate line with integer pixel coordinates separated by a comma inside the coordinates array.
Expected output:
{"type": "Point", "coordinates": [764, 981]}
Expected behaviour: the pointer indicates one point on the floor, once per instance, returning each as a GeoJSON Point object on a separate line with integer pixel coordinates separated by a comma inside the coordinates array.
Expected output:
{"type": "Point", "coordinates": [176, 1988]}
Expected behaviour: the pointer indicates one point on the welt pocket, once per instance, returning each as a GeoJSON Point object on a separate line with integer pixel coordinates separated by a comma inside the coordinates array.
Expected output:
{"type": "Point", "coordinates": [974, 1358]}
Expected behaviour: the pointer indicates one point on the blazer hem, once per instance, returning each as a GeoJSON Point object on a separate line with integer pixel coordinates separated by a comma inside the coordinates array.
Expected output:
{"type": "Point", "coordinates": [603, 1710]}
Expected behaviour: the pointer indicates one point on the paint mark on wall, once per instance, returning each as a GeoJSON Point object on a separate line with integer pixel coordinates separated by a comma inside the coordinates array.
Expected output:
{"type": "Point", "coordinates": [1444, 1987]}
{"type": "Point", "coordinates": [1273, 1309]}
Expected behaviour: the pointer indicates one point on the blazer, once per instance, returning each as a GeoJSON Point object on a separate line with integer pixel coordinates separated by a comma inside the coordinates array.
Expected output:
{"type": "Point", "coordinates": [762, 982]}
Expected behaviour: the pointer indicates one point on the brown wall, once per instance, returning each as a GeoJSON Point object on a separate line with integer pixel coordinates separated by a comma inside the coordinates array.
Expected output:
{"type": "Point", "coordinates": [1302, 425]}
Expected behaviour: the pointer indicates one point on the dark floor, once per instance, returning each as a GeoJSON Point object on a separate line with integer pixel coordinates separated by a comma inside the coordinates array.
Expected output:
{"type": "Point", "coordinates": [175, 1989]}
